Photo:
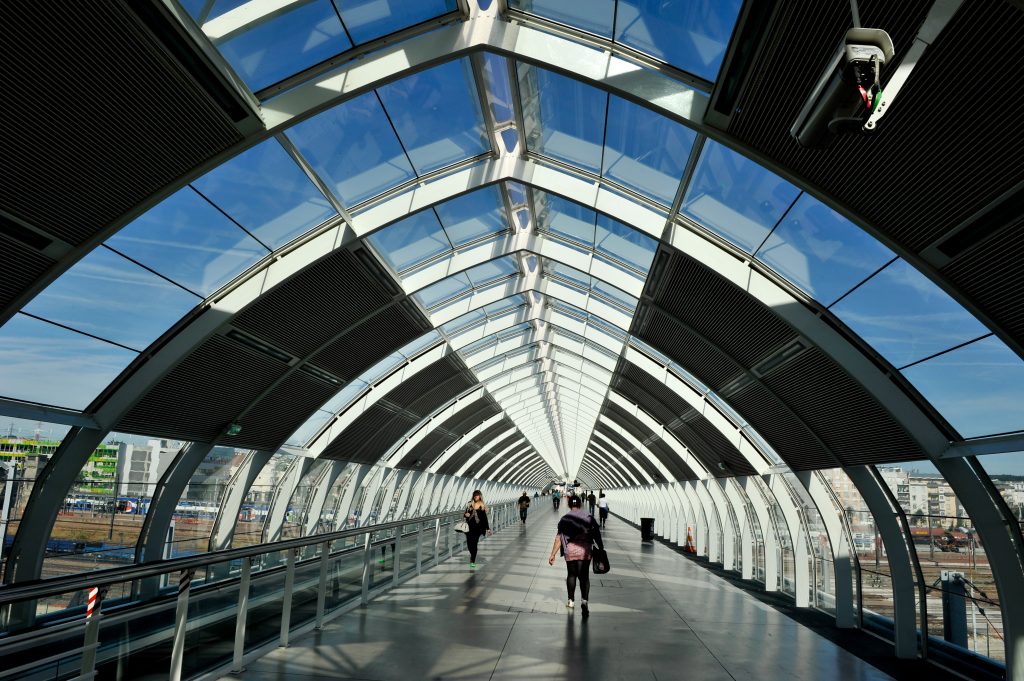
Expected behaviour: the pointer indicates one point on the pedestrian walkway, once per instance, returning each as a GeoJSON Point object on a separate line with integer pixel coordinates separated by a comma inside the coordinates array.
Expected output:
{"type": "Point", "coordinates": [657, 615]}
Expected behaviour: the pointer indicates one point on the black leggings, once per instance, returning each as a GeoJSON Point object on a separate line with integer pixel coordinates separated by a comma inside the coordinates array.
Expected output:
{"type": "Point", "coordinates": [472, 539]}
{"type": "Point", "coordinates": [578, 569]}
{"type": "Point", "coordinates": [522, 514]}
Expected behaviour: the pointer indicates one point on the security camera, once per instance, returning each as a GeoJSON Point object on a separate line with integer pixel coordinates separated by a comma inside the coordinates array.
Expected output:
{"type": "Point", "coordinates": [848, 92]}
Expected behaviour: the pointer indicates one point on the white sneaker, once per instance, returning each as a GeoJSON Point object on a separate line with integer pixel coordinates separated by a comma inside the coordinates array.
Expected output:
{"type": "Point", "coordinates": [568, 603]}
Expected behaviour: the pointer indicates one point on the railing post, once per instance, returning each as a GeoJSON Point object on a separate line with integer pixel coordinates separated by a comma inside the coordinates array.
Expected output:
{"type": "Point", "coordinates": [437, 540]}
{"type": "Point", "coordinates": [397, 551]}
{"type": "Point", "coordinates": [419, 549]}
{"type": "Point", "coordinates": [321, 591]}
{"type": "Point", "coordinates": [180, 621]}
{"type": "Point", "coordinates": [92, 631]}
{"type": "Point", "coordinates": [366, 570]}
{"type": "Point", "coordinates": [243, 611]}
{"type": "Point", "coordinates": [289, 587]}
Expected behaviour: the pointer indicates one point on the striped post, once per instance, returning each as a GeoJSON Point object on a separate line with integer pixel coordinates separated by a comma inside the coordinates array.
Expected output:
{"type": "Point", "coordinates": [92, 629]}
{"type": "Point", "coordinates": [180, 620]}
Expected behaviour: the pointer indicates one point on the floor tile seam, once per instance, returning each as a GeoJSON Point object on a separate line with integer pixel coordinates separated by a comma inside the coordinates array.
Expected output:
{"type": "Point", "coordinates": [504, 645]}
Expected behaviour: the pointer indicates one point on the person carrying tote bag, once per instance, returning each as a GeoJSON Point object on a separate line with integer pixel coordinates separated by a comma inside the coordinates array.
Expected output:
{"type": "Point", "coordinates": [475, 515]}
{"type": "Point", "coordinates": [577, 535]}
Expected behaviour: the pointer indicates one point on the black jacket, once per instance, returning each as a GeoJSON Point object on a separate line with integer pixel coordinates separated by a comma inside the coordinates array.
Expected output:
{"type": "Point", "coordinates": [578, 528]}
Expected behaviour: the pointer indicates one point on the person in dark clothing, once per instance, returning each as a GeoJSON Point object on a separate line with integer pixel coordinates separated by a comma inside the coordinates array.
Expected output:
{"type": "Point", "coordinates": [603, 506]}
{"type": "Point", "coordinates": [591, 501]}
{"type": "Point", "coordinates": [476, 515]}
{"type": "Point", "coordinates": [524, 505]}
{"type": "Point", "coordinates": [577, 534]}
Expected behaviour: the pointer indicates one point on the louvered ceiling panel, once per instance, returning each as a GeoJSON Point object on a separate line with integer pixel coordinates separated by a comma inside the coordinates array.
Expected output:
{"type": "Point", "coordinates": [726, 316]}
{"type": "Point", "coordinates": [273, 419]}
{"type": "Point", "coordinates": [488, 469]}
{"type": "Point", "coordinates": [370, 436]}
{"type": "Point", "coordinates": [460, 458]}
{"type": "Point", "coordinates": [702, 359]}
{"type": "Point", "coordinates": [441, 394]}
{"type": "Point", "coordinates": [315, 305]}
{"type": "Point", "coordinates": [660, 400]}
{"type": "Point", "coordinates": [716, 442]}
{"type": "Point", "coordinates": [446, 433]}
{"type": "Point", "coordinates": [634, 455]}
{"type": "Point", "coordinates": [519, 469]}
{"type": "Point", "coordinates": [107, 97]}
{"type": "Point", "coordinates": [862, 433]}
{"type": "Point", "coordinates": [625, 460]}
{"type": "Point", "coordinates": [22, 266]}
{"type": "Point", "coordinates": [787, 434]}
{"type": "Point", "coordinates": [668, 458]}
{"type": "Point", "coordinates": [469, 448]}
{"type": "Point", "coordinates": [424, 380]}
{"type": "Point", "coordinates": [472, 416]}
{"type": "Point", "coordinates": [205, 393]}
{"type": "Point", "coordinates": [368, 343]}
{"type": "Point", "coordinates": [992, 273]}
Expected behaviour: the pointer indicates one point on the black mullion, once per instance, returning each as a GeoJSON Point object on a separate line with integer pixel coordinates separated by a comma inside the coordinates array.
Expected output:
{"type": "Point", "coordinates": [342, 22]}
{"type": "Point", "coordinates": [861, 283]}
{"type": "Point", "coordinates": [233, 221]}
{"type": "Point", "coordinates": [397, 136]}
{"type": "Point", "coordinates": [947, 350]}
{"type": "Point", "coordinates": [152, 271]}
{"type": "Point", "coordinates": [776, 225]}
{"type": "Point", "coordinates": [83, 333]}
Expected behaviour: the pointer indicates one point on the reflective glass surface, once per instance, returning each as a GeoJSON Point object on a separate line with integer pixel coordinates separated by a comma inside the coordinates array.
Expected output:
{"type": "Point", "coordinates": [569, 117]}
{"type": "Point", "coordinates": [473, 216]}
{"type": "Point", "coordinates": [595, 16]}
{"type": "Point", "coordinates": [187, 240]}
{"type": "Point", "coordinates": [822, 252]}
{"type": "Point", "coordinates": [449, 287]}
{"type": "Point", "coordinates": [354, 149]}
{"type": "Point", "coordinates": [565, 218]}
{"type": "Point", "coordinates": [368, 20]}
{"type": "Point", "coordinates": [645, 151]}
{"type": "Point", "coordinates": [624, 243]}
{"type": "Point", "coordinates": [978, 388]}
{"type": "Point", "coordinates": [411, 241]}
{"type": "Point", "coordinates": [265, 49]}
{"type": "Point", "coordinates": [499, 90]}
{"type": "Point", "coordinates": [40, 362]}
{"type": "Point", "coordinates": [689, 34]}
{"type": "Point", "coordinates": [109, 296]}
{"type": "Point", "coordinates": [265, 192]}
{"type": "Point", "coordinates": [905, 316]}
{"type": "Point", "coordinates": [437, 115]}
{"type": "Point", "coordinates": [735, 197]}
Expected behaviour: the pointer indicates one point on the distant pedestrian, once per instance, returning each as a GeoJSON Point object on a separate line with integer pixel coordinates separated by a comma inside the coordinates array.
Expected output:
{"type": "Point", "coordinates": [577, 534]}
{"type": "Point", "coordinates": [556, 499]}
{"type": "Point", "coordinates": [591, 500]}
{"type": "Point", "coordinates": [476, 516]}
{"type": "Point", "coordinates": [524, 505]}
{"type": "Point", "coordinates": [602, 504]}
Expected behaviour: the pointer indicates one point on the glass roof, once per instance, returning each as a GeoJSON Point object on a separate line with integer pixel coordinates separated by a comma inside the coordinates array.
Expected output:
{"type": "Point", "coordinates": [266, 43]}
{"type": "Point", "coordinates": [692, 35]}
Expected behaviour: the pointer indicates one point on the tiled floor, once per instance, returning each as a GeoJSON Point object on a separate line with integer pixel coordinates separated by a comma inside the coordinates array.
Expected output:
{"type": "Point", "coordinates": [656, 615]}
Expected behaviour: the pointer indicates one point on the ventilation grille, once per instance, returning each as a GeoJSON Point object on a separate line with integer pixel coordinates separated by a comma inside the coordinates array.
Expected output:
{"type": "Point", "coordinates": [460, 459]}
{"type": "Point", "coordinates": [788, 435]}
{"type": "Point", "coordinates": [205, 393]}
{"type": "Point", "coordinates": [702, 359]}
{"type": "Point", "coordinates": [102, 115]}
{"type": "Point", "coordinates": [363, 346]}
{"type": "Point", "coordinates": [22, 266]}
{"type": "Point", "coordinates": [273, 419]}
{"type": "Point", "coordinates": [315, 305]}
{"type": "Point", "coordinates": [992, 275]}
{"type": "Point", "coordinates": [624, 460]}
{"type": "Point", "coordinates": [900, 179]}
{"type": "Point", "coordinates": [862, 433]}
{"type": "Point", "coordinates": [726, 316]}
{"type": "Point", "coordinates": [632, 453]}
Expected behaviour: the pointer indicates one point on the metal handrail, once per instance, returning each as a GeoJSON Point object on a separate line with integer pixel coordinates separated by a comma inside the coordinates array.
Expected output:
{"type": "Point", "coordinates": [43, 588]}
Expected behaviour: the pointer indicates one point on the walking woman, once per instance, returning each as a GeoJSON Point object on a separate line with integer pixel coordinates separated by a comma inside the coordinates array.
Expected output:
{"type": "Point", "coordinates": [577, 533]}
{"type": "Point", "coordinates": [476, 516]}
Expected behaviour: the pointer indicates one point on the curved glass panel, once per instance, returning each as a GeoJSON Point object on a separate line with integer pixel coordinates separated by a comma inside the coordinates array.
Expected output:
{"type": "Point", "coordinates": [905, 316]}
{"type": "Point", "coordinates": [821, 251]}
{"type": "Point", "coordinates": [735, 197]}
{"type": "Point", "coordinates": [473, 216]}
{"type": "Point", "coordinates": [253, 514]}
{"type": "Point", "coordinates": [625, 244]}
{"type": "Point", "coordinates": [978, 388]}
{"type": "Point", "coordinates": [266, 192]}
{"type": "Point", "coordinates": [564, 117]}
{"type": "Point", "coordinates": [595, 16]}
{"type": "Point", "coordinates": [411, 240]}
{"type": "Point", "coordinates": [367, 20]}
{"type": "Point", "coordinates": [266, 48]}
{"type": "Point", "coordinates": [108, 296]}
{"type": "Point", "coordinates": [691, 35]}
{"type": "Point", "coordinates": [437, 115]}
{"type": "Point", "coordinates": [41, 362]}
{"type": "Point", "coordinates": [189, 241]}
{"type": "Point", "coordinates": [354, 149]}
{"type": "Point", "coordinates": [644, 150]}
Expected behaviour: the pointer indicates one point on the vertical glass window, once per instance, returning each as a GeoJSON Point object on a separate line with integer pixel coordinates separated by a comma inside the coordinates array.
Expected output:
{"type": "Point", "coordinates": [198, 507]}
